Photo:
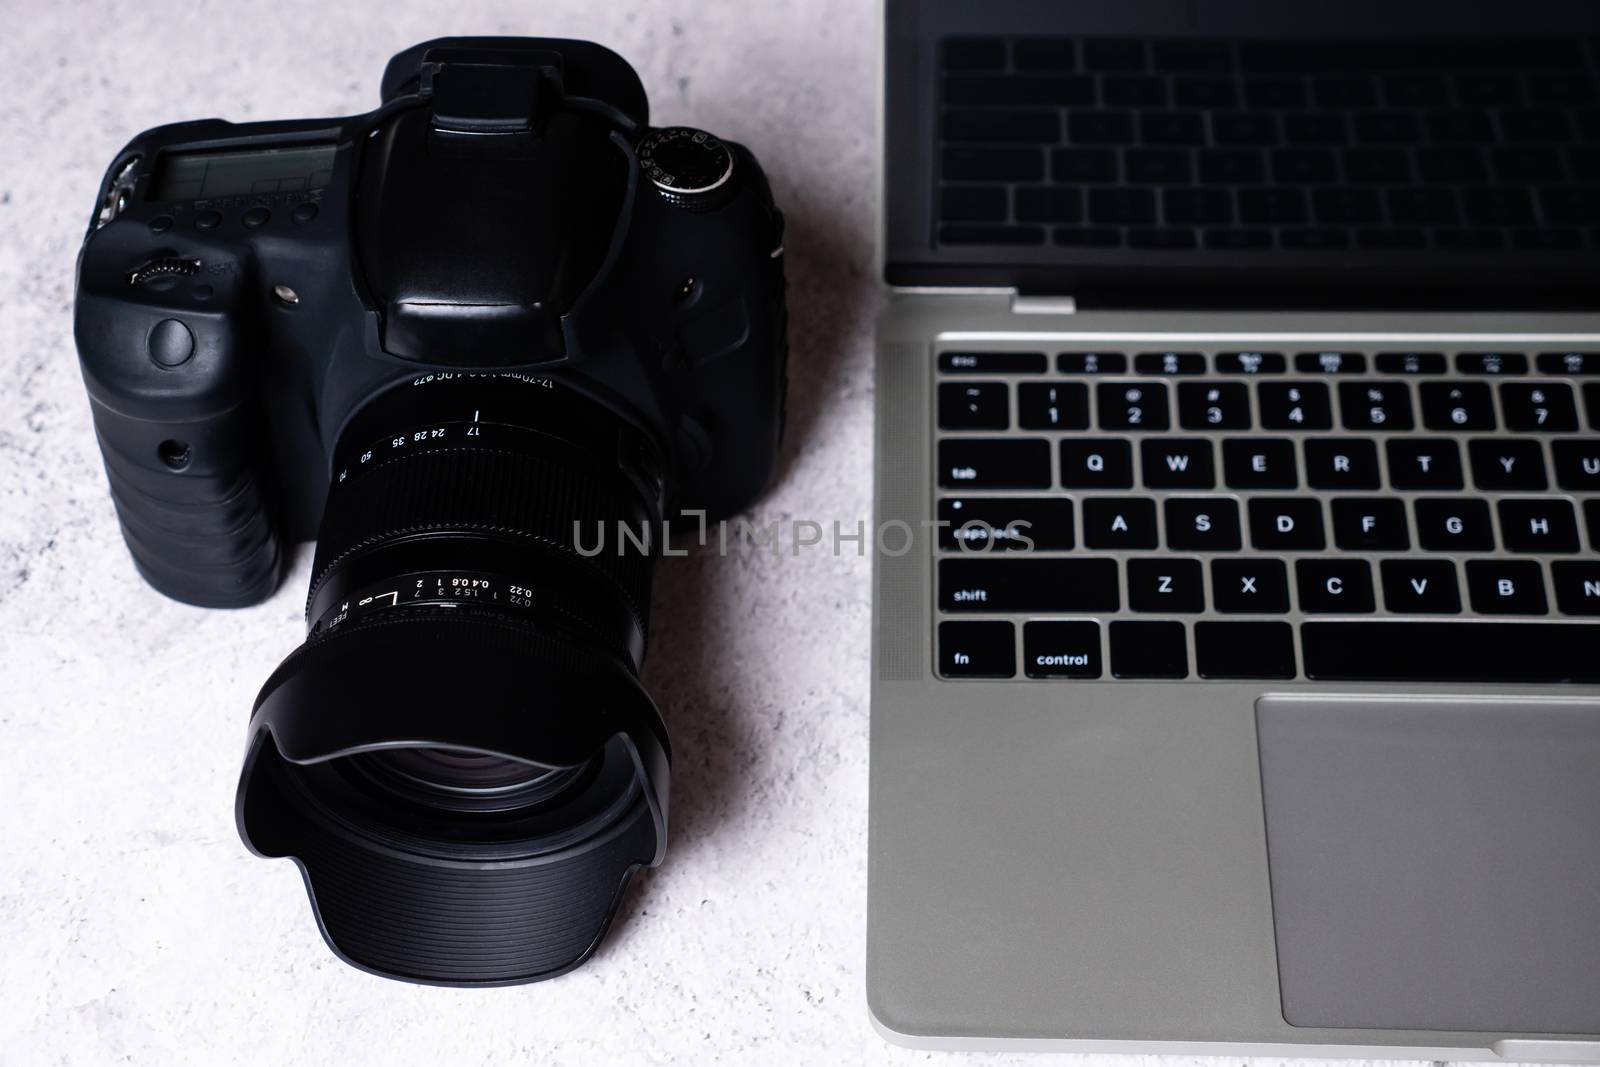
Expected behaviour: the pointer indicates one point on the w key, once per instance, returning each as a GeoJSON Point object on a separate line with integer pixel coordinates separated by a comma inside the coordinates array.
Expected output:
{"type": "Point", "coordinates": [1178, 463]}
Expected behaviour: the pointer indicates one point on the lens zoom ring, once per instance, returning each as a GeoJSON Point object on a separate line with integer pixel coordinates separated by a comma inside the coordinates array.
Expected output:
{"type": "Point", "coordinates": [517, 495]}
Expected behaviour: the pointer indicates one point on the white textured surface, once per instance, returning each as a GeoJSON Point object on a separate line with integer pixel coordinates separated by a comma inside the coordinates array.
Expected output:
{"type": "Point", "coordinates": [134, 927]}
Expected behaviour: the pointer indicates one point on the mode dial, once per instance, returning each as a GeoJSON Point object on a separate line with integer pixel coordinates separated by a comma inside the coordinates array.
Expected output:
{"type": "Point", "coordinates": [688, 167]}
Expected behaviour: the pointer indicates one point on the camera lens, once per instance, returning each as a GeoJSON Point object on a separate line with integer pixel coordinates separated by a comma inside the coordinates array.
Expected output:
{"type": "Point", "coordinates": [460, 757]}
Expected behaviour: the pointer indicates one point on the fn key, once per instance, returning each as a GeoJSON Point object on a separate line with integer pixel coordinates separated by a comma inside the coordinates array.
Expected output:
{"type": "Point", "coordinates": [977, 650]}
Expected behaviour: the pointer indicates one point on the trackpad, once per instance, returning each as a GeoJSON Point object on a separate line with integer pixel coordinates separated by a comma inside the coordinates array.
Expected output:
{"type": "Point", "coordinates": [1435, 864]}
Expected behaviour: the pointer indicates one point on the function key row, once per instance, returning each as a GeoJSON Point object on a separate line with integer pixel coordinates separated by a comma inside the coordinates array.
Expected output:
{"type": "Point", "coordinates": [1255, 362]}
{"type": "Point", "coordinates": [1396, 651]}
{"type": "Point", "coordinates": [1422, 464]}
{"type": "Point", "coordinates": [1527, 407]}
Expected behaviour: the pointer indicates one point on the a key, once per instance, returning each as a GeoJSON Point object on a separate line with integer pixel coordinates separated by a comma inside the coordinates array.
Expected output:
{"type": "Point", "coordinates": [1143, 649]}
{"type": "Point", "coordinates": [1092, 363]}
{"type": "Point", "coordinates": [992, 362]}
{"type": "Point", "coordinates": [1096, 463]}
{"type": "Point", "coordinates": [1375, 405]}
{"type": "Point", "coordinates": [1132, 405]}
{"type": "Point", "coordinates": [1341, 463]}
{"type": "Point", "coordinates": [1251, 362]}
{"type": "Point", "coordinates": [1371, 650]}
{"type": "Point", "coordinates": [984, 523]}
{"type": "Point", "coordinates": [1214, 406]}
{"type": "Point", "coordinates": [1244, 650]}
{"type": "Point", "coordinates": [1042, 406]}
{"type": "Point", "coordinates": [1259, 463]}
{"type": "Point", "coordinates": [1170, 586]}
{"type": "Point", "coordinates": [1119, 522]}
{"type": "Point", "coordinates": [1061, 649]}
{"type": "Point", "coordinates": [1169, 363]}
{"type": "Point", "coordinates": [1027, 585]}
{"type": "Point", "coordinates": [977, 650]}
{"type": "Point", "coordinates": [1546, 524]}
{"type": "Point", "coordinates": [1370, 524]}
{"type": "Point", "coordinates": [1003, 463]}
{"type": "Point", "coordinates": [1249, 586]}
{"type": "Point", "coordinates": [1577, 587]}
{"type": "Point", "coordinates": [1506, 587]}
{"type": "Point", "coordinates": [1457, 406]}
{"type": "Point", "coordinates": [1286, 523]}
{"type": "Point", "coordinates": [1294, 406]}
{"type": "Point", "coordinates": [1424, 463]}
{"type": "Point", "coordinates": [1177, 463]}
{"type": "Point", "coordinates": [1499, 463]}
{"type": "Point", "coordinates": [1454, 525]}
{"type": "Point", "coordinates": [974, 406]}
{"type": "Point", "coordinates": [1420, 586]}
{"type": "Point", "coordinates": [1539, 406]}
{"type": "Point", "coordinates": [1577, 464]}
{"type": "Point", "coordinates": [1330, 362]}
{"type": "Point", "coordinates": [1334, 586]}
{"type": "Point", "coordinates": [1202, 523]}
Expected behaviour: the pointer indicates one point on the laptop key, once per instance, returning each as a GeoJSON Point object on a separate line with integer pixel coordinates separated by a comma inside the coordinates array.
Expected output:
{"type": "Point", "coordinates": [1042, 406]}
{"type": "Point", "coordinates": [1506, 587]}
{"type": "Point", "coordinates": [1371, 650]}
{"type": "Point", "coordinates": [1330, 363]}
{"type": "Point", "coordinates": [1420, 586]}
{"type": "Point", "coordinates": [1214, 406]}
{"type": "Point", "coordinates": [1454, 525]}
{"type": "Point", "coordinates": [1251, 362]}
{"type": "Point", "coordinates": [1577, 587]}
{"type": "Point", "coordinates": [1424, 463]}
{"type": "Point", "coordinates": [1249, 586]}
{"type": "Point", "coordinates": [1375, 405]}
{"type": "Point", "coordinates": [1061, 649]}
{"type": "Point", "coordinates": [1169, 363]}
{"type": "Point", "coordinates": [1244, 650]}
{"type": "Point", "coordinates": [1569, 362]}
{"type": "Point", "coordinates": [984, 523]}
{"type": "Point", "coordinates": [1334, 586]}
{"type": "Point", "coordinates": [1132, 405]}
{"type": "Point", "coordinates": [1500, 463]}
{"type": "Point", "coordinates": [1177, 463]}
{"type": "Point", "coordinates": [1341, 463]}
{"type": "Point", "coordinates": [1367, 524]}
{"type": "Point", "coordinates": [994, 463]}
{"type": "Point", "coordinates": [1546, 406]}
{"type": "Point", "coordinates": [1295, 406]}
{"type": "Point", "coordinates": [1577, 464]}
{"type": "Point", "coordinates": [974, 406]}
{"type": "Point", "coordinates": [1141, 649]}
{"type": "Point", "coordinates": [1457, 406]}
{"type": "Point", "coordinates": [1409, 363]}
{"type": "Point", "coordinates": [977, 650]}
{"type": "Point", "coordinates": [1202, 524]}
{"type": "Point", "coordinates": [1119, 522]}
{"type": "Point", "coordinates": [1092, 363]}
{"type": "Point", "coordinates": [992, 362]}
{"type": "Point", "coordinates": [1496, 363]}
{"type": "Point", "coordinates": [1035, 584]}
{"type": "Point", "coordinates": [1286, 523]}
{"type": "Point", "coordinates": [1096, 463]}
{"type": "Point", "coordinates": [1167, 586]}
{"type": "Point", "coordinates": [1547, 524]}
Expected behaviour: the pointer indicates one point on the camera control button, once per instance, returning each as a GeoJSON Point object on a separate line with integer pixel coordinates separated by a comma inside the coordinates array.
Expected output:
{"type": "Point", "coordinates": [208, 220]}
{"type": "Point", "coordinates": [304, 212]}
{"type": "Point", "coordinates": [256, 216]}
{"type": "Point", "coordinates": [161, 224]}
{"type": "Point", "coordinates": [170, 342]}
{"type": "Point", "coordinates": [688, 167]}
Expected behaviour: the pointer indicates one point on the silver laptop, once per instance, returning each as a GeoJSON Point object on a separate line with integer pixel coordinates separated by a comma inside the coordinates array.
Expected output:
{"type": "Point", "coordinates": [1236, 666]}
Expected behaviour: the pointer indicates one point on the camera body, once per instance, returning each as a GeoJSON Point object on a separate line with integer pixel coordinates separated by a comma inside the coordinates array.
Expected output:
{"type": "Point", "coordinates": [244, 290]}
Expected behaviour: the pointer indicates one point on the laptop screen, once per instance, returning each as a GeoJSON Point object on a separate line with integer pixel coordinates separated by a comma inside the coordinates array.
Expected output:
{"type": "Point", "coordinates": [1405, 153]}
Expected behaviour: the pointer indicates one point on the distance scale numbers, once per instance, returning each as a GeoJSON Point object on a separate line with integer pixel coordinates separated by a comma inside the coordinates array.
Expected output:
{"type": "Point", "coordinates": [449, 588]}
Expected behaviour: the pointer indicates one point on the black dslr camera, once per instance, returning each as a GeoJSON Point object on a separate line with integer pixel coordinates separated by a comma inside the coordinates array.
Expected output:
{"type": "Point", "coordinates": [451, 339]}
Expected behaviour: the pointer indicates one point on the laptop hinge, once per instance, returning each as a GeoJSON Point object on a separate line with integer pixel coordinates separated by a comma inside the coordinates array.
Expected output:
{"type": "Point", "coordinates": [1043, 305]}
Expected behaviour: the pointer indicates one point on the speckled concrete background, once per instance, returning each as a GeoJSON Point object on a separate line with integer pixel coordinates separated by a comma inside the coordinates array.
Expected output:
{"type": "Point", "coordinates": [134, 927]}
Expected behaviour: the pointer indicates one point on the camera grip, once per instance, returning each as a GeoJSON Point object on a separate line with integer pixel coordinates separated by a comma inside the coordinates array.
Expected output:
{"type": "Point", "coordinates": [182, 446]}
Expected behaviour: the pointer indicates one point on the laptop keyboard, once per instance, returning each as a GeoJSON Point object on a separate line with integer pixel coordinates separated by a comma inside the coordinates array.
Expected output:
{"type": "Point", "coordinates": [1228, 145]}
{"type": "Point", "coordinates": [1230, 513]}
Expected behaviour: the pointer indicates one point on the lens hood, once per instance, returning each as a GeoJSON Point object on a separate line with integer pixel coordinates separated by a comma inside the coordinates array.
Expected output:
{"type": "Point", "coordinates": [454, 904]}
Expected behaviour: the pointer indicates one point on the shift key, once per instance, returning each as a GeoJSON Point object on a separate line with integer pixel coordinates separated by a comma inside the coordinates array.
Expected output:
{"type": "Point", "coordinates": [1052, 586]}
{"type": "Point", "coordinates": [994, 463]}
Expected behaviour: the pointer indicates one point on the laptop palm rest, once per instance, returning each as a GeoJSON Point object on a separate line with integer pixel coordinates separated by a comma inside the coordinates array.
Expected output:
{"type": "Point", "coordinates": [1435, 864]}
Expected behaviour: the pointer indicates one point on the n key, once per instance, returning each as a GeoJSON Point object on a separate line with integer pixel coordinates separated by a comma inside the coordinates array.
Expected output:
{"type": "Point", "coordinates": [1503, 464]}
{"type": "Point", "coordinates": [1178, 463]}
